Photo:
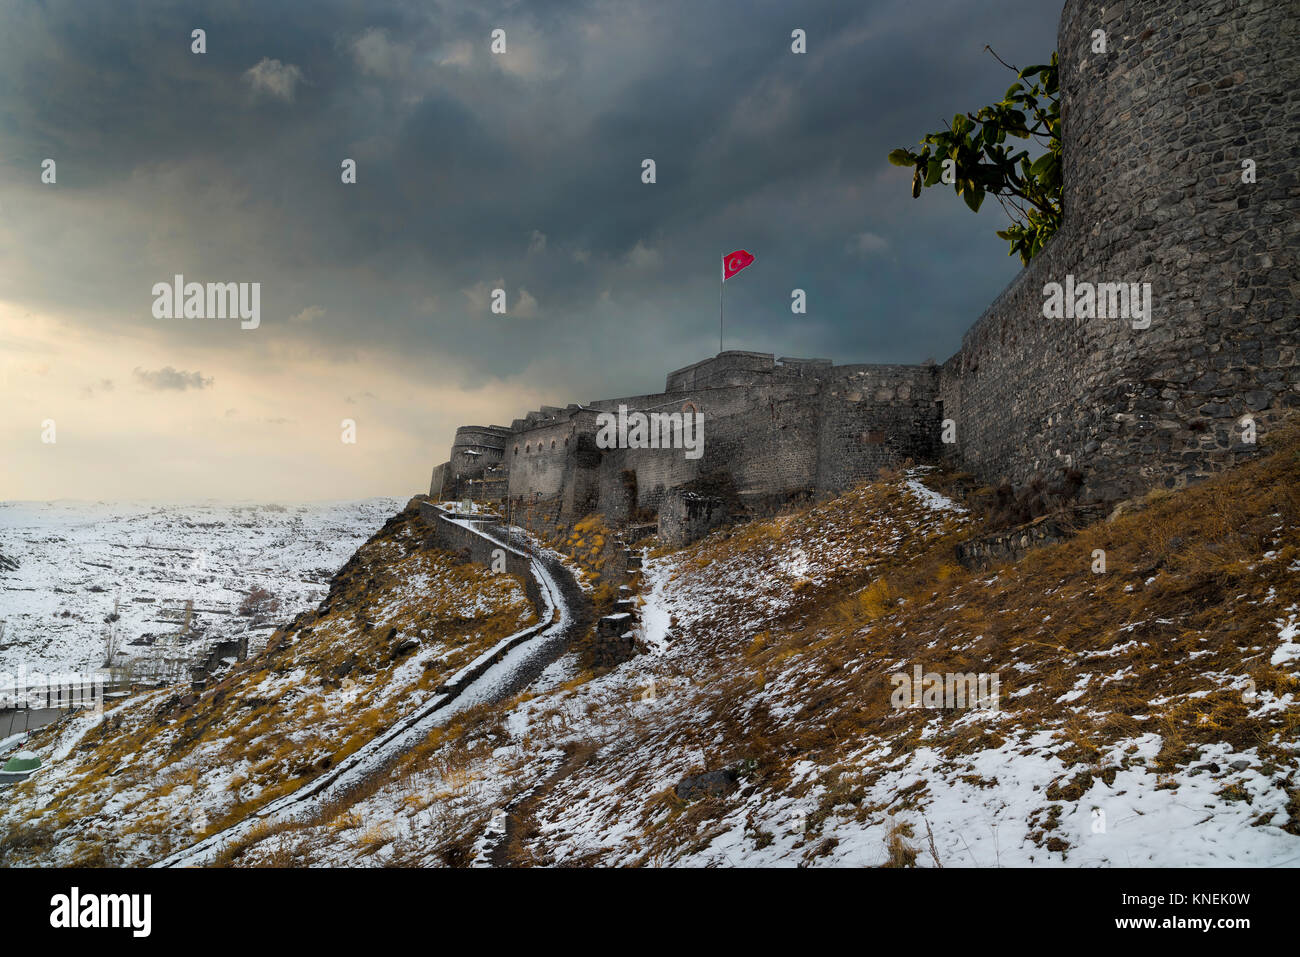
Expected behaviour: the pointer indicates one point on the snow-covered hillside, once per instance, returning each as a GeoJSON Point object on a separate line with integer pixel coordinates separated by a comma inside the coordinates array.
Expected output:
{"type": "Point", "coordinates": [156, 772]}
{"type": "Point", "coordinates": [66, 566]}
{"type": "Point", "coordinates": [1147, 716]}
{"type": "Point", "coordinates": [1144, 678]}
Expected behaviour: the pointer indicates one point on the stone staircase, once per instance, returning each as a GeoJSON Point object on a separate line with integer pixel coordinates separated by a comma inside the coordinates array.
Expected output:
{"type": "Point", "coordinates": [616, 632]}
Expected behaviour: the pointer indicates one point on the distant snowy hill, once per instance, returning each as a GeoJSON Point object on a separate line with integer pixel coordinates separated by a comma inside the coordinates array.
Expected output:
{"type": "Point", "coordinates": [65, 566]}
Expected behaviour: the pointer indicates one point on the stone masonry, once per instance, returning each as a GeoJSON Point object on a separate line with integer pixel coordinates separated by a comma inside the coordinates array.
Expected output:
{"type": "Point", "coordinates": [1155, 134]}
{"type": "Point", "coordinates": [775, 430]}
{"type": "Point", "coordinates": [1156, 131]}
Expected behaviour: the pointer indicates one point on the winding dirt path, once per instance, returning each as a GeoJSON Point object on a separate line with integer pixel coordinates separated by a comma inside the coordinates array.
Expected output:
{"type": "Point", "coordinates": [508, 667]}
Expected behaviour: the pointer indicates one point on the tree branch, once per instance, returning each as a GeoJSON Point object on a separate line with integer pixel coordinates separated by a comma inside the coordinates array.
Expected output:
{"type": "Point", "coordinates": [1000, 60]}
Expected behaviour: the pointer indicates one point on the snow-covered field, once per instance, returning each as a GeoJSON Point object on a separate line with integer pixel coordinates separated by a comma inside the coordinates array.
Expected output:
{"type": "Point", "coordinates": [66, 567]}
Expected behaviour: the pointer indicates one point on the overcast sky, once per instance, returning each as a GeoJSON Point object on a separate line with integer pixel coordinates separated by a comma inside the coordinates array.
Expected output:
{"type": "Point", "coordinates": [474, 170]}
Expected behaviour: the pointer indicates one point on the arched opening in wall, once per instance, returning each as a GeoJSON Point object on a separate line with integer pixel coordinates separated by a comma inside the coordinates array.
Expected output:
{"type": "Point", "coordinates": [552, 443]}
{"type": "Point", "coordinates": [528, 447]}
{"type": "Point", "coordinates": [516, 450]}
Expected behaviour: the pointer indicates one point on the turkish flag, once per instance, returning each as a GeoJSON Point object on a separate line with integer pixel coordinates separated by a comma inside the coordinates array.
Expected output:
{"type": "Point", "coordinates": [733, 263]}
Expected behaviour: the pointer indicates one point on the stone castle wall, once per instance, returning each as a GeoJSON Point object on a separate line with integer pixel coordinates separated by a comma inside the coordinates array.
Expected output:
{"type": "Point", "coordinates": [774, 430]}
{"type": "Point", "coordinates": [439, 489]}
{"type": "Point", "coordinates": [1155, 132]}
{"type": "Point", "coordinates": [873, 417]}
{"type": "Point", "coordinates": [461, 538]}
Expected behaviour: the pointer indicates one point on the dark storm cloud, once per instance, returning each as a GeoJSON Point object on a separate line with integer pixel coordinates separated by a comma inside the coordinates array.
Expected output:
{"type": "Point", "coordinates": [171, 162]}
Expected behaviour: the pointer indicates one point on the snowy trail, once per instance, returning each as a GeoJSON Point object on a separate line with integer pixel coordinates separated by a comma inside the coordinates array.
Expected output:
{"type": "Point", "coordinates": [507, 667]}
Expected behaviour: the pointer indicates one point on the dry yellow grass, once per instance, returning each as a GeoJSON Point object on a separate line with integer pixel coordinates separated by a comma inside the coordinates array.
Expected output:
{"type": "Point", "coordinates": [1168, 641]}
{"type": "Point", "coordinates": [325, 685]}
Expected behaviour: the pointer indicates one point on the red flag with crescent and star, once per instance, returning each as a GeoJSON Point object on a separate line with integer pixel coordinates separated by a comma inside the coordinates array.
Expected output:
{"type": "Point", "coordinates": [733, 263]}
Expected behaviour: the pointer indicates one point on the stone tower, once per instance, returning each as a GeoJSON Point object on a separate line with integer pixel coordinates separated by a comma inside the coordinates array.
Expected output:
{"type": "Point", "coordinates": [1156, 131]}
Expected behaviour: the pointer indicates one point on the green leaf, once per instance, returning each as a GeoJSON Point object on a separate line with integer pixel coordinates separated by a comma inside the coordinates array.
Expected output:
{"type": "Point", "coordinates": [988, 163]}
{"type": "Point", "coordinates": [1041, 165]}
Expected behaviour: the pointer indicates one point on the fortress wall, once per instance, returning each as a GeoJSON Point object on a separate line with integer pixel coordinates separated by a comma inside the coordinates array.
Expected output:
{"type": "Point", "coordinates": [489, 441]}
{"type": "Point", "coordinates": [437, 482]}
{"type": "Point", "coordinates": [581, 494]}
{"type": "Point", "coordinates": [657, 470]}
{"type": "Point", "coordinates": [1016, 390]}
{"type": "Point", "coordinates": [616, 499]}
{"type": "Point", "coordinates": [871, 417]}
{"type": "Point", "coordinates": [454, 537]}
{"type": "Point", "coordinates": [763, 435]}
{"type": "Point", "coordinates": [475, 450]}
{"type": "Point", "coordinates": [537, 460]}
{"type": "Point", "coordinates": [770, 447]}
{"type": "Point", "coordinates": [735, 368]}
{"type": "Point", "coordinates": [1155, 132]}
{"type": "Point", "coordinates": [814, 368]}
{"type": "Point", "coordinates": [795, 426]}
{"type": "Point", "coordinates": [726, 368]}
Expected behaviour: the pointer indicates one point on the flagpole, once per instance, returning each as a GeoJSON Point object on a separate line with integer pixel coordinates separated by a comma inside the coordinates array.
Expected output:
{"type": "Point", "coordinates": [722, 282]}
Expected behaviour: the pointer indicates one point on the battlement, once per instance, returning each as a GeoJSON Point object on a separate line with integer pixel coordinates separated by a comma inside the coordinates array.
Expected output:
{"type": "Point", "coordinates": [734, 368]}
{"type": "Point", "coordinates": [482, 437]}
